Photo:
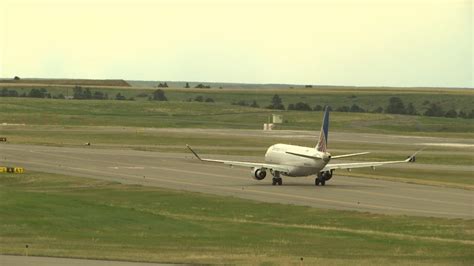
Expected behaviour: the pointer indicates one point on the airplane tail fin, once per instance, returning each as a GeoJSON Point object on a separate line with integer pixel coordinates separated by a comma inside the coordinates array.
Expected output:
{"type": "Point", "coordinates": [323, 135]}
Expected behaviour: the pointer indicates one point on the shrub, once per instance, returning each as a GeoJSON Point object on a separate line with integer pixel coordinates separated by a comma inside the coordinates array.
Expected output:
{"type": "Point", "coordinates": [395, 106]}
{"type": "Point", "coordinates": [120, 97]}
{"type": "Point", "coordinates": [254, 104]}
{"type": "Point", "coordinates": [378, 110]}
{"type": "Point", "coordinates": [343, 109]}
{"type": "Point", "coordinates": [199, 98]}
{"type": "Point", "coordinates": [355, 108]}
{"type": "Point", "coordinates": [318, 108]}
{"type": "Point", "coordinates": [159, 95]}
{"type": "Point", "coordinates": [411, 109]}
{"type": "Point", "coordinates": [277, 103]}
{"type": "Point", "coordinates": [451, 113]}
{"type": "Point", "coordinates": [434, 110]}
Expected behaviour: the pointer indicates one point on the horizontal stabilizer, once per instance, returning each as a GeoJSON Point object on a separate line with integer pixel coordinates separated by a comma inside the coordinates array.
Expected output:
{"type": "Point", "coordinates": [349, 155]}
{"type": "Point", "coordinates": [303, 155]}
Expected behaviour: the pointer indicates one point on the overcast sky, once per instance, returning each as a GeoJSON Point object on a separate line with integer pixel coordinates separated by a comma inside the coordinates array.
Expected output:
{"type": "Point", "coordinates": [341, 42]}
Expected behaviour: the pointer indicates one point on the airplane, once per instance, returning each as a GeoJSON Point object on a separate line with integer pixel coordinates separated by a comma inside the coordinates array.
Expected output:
{"type": "Point", "coordinates": [299, 161]}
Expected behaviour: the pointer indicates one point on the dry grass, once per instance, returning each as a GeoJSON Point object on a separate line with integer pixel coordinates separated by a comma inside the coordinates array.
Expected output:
{"type": "Point", "coordinates": [81, 82]}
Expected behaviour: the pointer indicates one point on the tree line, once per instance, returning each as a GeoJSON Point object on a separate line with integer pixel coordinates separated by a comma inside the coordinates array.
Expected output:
{"type": "Point", "coordinates": [33, 93]}
{"type": "Point", "coordinates": [395, 106]}
{"type": "Point", "coordinates": [78, 93]}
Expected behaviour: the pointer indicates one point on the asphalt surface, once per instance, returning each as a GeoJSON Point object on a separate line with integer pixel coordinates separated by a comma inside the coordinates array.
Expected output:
{"type": "Point", "coordinates": [181, 171]}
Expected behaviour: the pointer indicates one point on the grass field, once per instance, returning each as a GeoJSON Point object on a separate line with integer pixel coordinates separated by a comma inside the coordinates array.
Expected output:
{"type": "Point", "coordinates": [208, 115]}
{"type": "Point", "coordinates": [77, 217]}
{"type": "Point", "coordinates": [368, 98]}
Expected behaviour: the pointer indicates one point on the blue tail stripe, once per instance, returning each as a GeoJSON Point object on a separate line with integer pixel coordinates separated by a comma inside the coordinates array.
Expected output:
{"type": "Point", "coordinates": [323, 135]}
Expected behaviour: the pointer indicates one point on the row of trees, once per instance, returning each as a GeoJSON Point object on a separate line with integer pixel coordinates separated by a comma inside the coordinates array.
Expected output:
{"type": "Point", "coordinates": [200, 98]}
{"type": "Point", "coordinates": [186, 86]}
{"type": "Point", "coordinates": [300, 106]}
{"type": "Point", "coordinates": [33, 93]}
{"type": "Point", "coordinates": [86, 94]}
{"type": "Point", "coordinates": [9, 93]}
{"type": "Point", "coordinates": [253, 104]}
{"type": "Point", "coordinates": [159, 95]}
{"type": "Point", "coordinates": [78, 93]}
{"type": "Point", "coordinates": [198, 86]}
{"type": "Point", "coordinates": [201, 86]}
{"type": "Point", "coordinates": [395, 106]}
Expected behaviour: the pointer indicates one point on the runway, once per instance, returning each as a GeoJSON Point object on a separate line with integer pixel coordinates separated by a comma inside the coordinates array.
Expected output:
{"type": "Point", "coordinates": [181, 171]}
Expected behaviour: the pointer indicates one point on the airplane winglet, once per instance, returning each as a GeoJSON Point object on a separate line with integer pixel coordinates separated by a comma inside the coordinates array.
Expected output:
{"type": "Point", "coordinates": [195, 154]}
{"type": "Point", "coordinates": [412, 158]}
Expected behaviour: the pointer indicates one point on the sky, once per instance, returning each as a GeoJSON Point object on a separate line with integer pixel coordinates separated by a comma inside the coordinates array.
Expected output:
{"type": "Point", "coordinates": [340, 42]}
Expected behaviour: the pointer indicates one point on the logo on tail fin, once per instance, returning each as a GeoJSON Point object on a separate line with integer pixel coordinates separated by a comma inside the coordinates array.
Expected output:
{"type": "Point", "coordinates": [323, 135]}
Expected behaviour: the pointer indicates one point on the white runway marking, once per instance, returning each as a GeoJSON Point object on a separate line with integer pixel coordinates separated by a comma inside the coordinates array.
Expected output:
{"type": "Point", "coordinates": [454, 145]}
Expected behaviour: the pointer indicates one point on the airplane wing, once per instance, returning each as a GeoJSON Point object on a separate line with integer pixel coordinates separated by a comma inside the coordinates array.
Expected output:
{"type": "Point", "coordinates": [276, 167]}
{"type": "Point", "coordinates": [349, 166]}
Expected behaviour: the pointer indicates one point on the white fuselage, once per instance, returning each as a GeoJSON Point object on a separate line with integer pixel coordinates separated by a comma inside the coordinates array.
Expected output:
{"type": "Point", "coordinates": [298, 165]}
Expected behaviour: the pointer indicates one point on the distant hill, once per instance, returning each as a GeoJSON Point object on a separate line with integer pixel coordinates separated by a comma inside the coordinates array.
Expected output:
{"type": "Point", "coordinates": [138, 84]}
{"type": "Point", "coordinates": [215, 85]}
{"type": "Point", "coordinates": [82, 82]}
{"type": "Point", "coordinates": [228, 85]}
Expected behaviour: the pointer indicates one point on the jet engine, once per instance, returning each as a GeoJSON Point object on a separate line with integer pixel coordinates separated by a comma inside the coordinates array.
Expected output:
{"type": "Point", "coordinates": [258, 173]}
{"type": "Point", "coordinates": [327, 175]}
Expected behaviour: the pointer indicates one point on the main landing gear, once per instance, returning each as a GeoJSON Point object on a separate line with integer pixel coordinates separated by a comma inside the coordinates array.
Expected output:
{"type": "Point", "coordinates": [323, 177]}
{"type": "Point", "coordinates": [319, 180]}
{"type": "Point", "coordinates": [276, 180]}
